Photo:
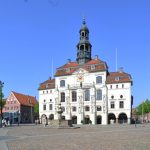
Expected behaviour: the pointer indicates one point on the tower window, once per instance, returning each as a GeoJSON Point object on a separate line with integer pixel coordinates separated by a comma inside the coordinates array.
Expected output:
{"type": "Point", "coordinates": [82, 47]}
{"type": "Point", "coordinates": [82, 34]}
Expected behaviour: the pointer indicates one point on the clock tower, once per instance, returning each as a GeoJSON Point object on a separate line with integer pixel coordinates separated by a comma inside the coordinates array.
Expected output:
{"type": "Point", "coordinates": [84, 46]}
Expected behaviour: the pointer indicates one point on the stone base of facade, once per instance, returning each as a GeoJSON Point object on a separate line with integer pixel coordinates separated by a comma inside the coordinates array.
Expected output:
{"type": "Point", "coordinates": [62, 123]}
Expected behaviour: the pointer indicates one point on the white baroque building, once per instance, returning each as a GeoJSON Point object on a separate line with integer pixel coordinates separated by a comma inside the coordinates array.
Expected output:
{"type": "Point", "coordinates": [87, 91]}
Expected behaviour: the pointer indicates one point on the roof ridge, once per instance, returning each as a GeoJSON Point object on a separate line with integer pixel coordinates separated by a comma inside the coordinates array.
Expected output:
{"type": "Point", "coordinates": [22, 94]}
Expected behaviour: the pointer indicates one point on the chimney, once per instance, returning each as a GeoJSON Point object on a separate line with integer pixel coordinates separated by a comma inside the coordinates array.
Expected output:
{"type": "Point", "coordinates": [96, 57]}
{"type": "Point", "coordinates": [69, 61]}
{"type": "Point", "coordinates": [49, 78]}
{"type": "Point", "coordinates": [121, 70]}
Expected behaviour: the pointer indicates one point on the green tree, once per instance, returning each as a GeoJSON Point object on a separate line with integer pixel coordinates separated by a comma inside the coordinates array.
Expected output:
{"type": "Point", "coordinates": [2, 103]}
{"type": "Point", "coordinates": [144, 107]}
{"type": "Point", "coordinates": [36, 110]}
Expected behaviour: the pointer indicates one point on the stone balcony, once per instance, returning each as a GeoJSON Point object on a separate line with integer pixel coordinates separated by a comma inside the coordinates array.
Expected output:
{"type": "Point", "coordinates": [79, 86]}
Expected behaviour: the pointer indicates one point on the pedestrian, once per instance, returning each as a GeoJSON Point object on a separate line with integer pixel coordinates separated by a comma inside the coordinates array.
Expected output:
{"type": "Point", "coordinates": [135, 123]}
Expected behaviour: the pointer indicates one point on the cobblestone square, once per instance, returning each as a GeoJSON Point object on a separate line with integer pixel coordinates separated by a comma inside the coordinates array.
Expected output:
{"type": "Point", "coordinates": [89, 137]}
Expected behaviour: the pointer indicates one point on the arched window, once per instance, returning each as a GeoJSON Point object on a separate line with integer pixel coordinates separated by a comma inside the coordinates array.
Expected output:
{"type": "Point", "coordinates": [87, 108]}
{"type": "Point", "coordinates": [82, 34]}
{"type": "Point", "coordinates": [87, 95]}
{"type": "Point", "coordinates": [99, 94]}
{"type": "Point", "coordinates": [82, 47]}
{"type": "Point", "coordinates": [62, 83]}
{"type": "Point", "coordinates": [62, 97]}
{"type": "Point", "coordinates": [74, 96]}
{"type": "Point", "coordinates": [98, 79]}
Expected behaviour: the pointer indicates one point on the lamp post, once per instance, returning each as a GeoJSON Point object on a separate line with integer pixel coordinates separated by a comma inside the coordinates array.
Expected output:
{"type": "Point", "coordinates": [1, 96]}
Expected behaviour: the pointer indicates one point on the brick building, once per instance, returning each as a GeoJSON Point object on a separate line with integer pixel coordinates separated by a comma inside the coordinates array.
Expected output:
{"type": "Point", "coordinates": [19, 108]}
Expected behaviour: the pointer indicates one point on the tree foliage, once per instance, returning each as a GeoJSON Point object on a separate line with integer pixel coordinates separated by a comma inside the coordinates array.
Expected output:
{"type": "Point", "coordinates": [36, 108]}
{"type": "Point", "coordinates": [2, 103]}
{"type": "Point", "coordinates": [144, 107]}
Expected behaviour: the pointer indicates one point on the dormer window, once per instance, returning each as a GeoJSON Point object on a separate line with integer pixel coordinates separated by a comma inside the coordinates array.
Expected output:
{"type": "Point", "coordinates": [68, 70]}
{"type": "Point", "coordinates": [92, 67]}
{"type": "Point", "coordinates": [117, 78]}
{"type": "Point", "coordinates": [62, 83]}
{"type": "Point", "coordinates": [47, 86]}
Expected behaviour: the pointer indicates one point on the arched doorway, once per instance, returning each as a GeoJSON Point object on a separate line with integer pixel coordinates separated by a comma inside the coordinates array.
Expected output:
{"type": "Point", "coordinates": [51, 117]}
{"type": "Point", "coordinates": [122, 118]}
{"type": "Point", "coordinates": [44, 119]}
{"type": "Point", "coordinates": [87, 119]}
{"type": "Point", "coordinates": [99, 119]}
{"type": "Point", "coordinates": [63, 117]}
{"type": "Point", "coordinates": [74, 119]}
{"type": "Point", "coordinates": [111, 118]}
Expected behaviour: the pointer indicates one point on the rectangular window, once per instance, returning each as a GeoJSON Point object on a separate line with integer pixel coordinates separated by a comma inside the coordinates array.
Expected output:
{"type": "Point", "coordinates": [98, 94]}
{"type": "Point", "coordinates": [122, 85]}
{"type": "Point", "coordinates": [62, 83]}
{"type": "Point", "coordinates": [62, 97]}
{"type": "Point", "coordinates": [110, 86]}
{"type": "Point", "coordinates": [112, 105]}
{"type": "Point", "coordinates": [74, 96]}
{"type": "Point", "coordinates": [98, 79]}
{"type": "Point", "coordinates": [50, 106]}
{"type": "Point", "coordinates": [44, 107]}
{"type": "Point", "coordinates": [121, 104]}
{"type": "Point", "coordinates": [73, 108]}
{"type": "Point", "coordinates": [87, 95]}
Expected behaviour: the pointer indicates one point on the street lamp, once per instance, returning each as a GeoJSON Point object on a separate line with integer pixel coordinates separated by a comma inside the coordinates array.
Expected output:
{"type": "Point", "coordinates": [1, 96]}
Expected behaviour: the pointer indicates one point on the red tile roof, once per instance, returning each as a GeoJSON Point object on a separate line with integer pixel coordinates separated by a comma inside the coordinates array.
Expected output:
{"type": "Point", "coordinates": [70, 67]}
{"type": "Point", "coordinates": [48, 84]}
{"type": "Point", "coordinates": [26, 100]}
{"type": "Point", "coordinates": [118, 77]}
{"type": "Point", "coordinates": [69, 64]}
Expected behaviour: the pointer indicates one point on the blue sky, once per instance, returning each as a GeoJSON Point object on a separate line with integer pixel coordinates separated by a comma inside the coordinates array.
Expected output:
{"type": "Point", "coordinates": [35, 32]}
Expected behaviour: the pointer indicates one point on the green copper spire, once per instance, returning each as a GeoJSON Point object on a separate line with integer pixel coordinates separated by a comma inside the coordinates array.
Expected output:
{"type": "Point", "coordinates": [84, 45]}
